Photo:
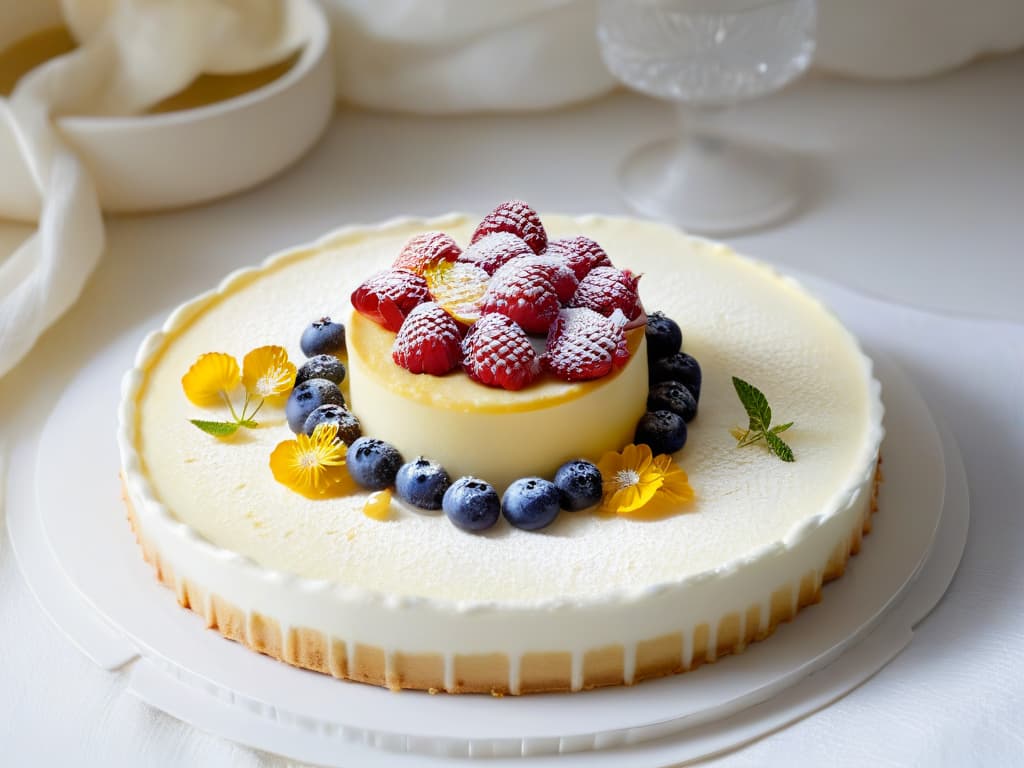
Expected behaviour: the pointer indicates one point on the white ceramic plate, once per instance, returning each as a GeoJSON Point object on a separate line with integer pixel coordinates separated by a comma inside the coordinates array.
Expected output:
{"type": "Point", "coordinates": [223, 687]}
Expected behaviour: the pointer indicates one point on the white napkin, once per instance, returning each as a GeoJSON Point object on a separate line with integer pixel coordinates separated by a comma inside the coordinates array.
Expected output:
{"type": "Point", "coordinates": [132, 54]}
{"type": "Point", "coordinates": [466, 55]}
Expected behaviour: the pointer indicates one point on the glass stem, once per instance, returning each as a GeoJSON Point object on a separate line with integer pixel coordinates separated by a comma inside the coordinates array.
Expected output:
{"type": "Point", "coordinates": [699, 123]}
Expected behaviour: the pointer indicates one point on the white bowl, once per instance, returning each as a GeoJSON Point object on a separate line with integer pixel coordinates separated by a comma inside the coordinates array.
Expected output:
{"type": "Point", "coordinates": [168, 160]}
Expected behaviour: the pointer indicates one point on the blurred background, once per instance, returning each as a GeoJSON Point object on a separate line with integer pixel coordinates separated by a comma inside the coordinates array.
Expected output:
{"type": "Point", "coordinates": [148, 147]}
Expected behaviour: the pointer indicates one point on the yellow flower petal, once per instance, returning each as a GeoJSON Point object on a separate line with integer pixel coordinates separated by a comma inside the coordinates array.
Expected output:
{"type": "Point", "coordinates": [610, 463]}
{"type": "Point", "coordinates": [634, 478]}
{"type": "Point", "coordinates": [268, 373]}
{"type": "Point", "coordinates": [211, 375]}
{"type": "Point", "coordinates": [675, 483]}
{"type": "Point", "coordinates": [312, 465]}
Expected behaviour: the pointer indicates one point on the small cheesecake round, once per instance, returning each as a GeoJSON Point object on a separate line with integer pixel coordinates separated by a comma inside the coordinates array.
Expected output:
{"type": "Point", "coordinates": [488, 432]}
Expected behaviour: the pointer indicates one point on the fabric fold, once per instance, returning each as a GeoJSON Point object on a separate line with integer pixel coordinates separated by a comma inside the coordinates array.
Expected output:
{"type": "Point", "coordinates": [132, 54]}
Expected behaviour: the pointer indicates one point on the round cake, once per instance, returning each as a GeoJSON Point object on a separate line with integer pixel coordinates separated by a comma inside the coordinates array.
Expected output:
{"type": "Point", "coordinates": [593, 599]}
{"type": "Point", "coordinates": [476, 430]}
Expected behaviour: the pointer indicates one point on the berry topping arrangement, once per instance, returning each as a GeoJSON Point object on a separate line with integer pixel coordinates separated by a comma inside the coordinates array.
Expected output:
{"type": "Point", "coordinates": [307, 397]}
{"type": "Point", "coordinates": [373, 463]}
{"type": "Point", "coordinates": [674, 387]}
{"type": "Point", "coordinates": [516, 217]}
{"type": "Point", "coordinates": [498, 353]}
{"type": "Point", "coordinates": [429, 341]}
{"type": "Point", "coordinates": [321, 367]}
{"type": "Point", "coordinates": [478, 308]}
{"type": "Point", "coordinates": [531, 503]}
{"type": "Point", "coordinates": [471, 504]}
{"type": "Point", "coordinates": [426, 251]}
{"type": "Point", "coordinates": [491, 252]}
{"type": "Point", "coordinates": [507, 310]}
{"type": "Point", "coordinates": [422, 483]}
{"type": "Point", "coordinates": [584, 345]}
{"type": "Point", "coordinates": [388, 297]}
{"type": "Point", "coordinates": [323, 337]}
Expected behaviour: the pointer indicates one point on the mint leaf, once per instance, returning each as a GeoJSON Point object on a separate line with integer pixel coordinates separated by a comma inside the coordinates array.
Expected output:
{"type": "Point", "coordinates": [760, 415]}
{"type": "Point", "coordinates": [216, 428]}
{"type": "Point", "coordinates": [755, 404]}
{"type": "Point", "coordinates": [778, 446]}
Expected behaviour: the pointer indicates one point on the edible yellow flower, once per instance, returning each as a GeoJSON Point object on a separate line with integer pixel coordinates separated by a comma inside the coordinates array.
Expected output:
{"type": "Point", "coordinates": [635, 478]}
{"type": "Point", "coordinates": [210, 378]}
{"type": "Point", "coordinates": [312, 465]}
{"type": "Point", "coordinates": [267, 372]}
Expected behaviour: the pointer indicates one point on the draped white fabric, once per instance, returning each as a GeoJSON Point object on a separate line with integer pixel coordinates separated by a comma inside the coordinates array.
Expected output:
{"type": "Point", "coordinates": [132, 54]}
{"type": "Point", "coordinates": [443, 56]}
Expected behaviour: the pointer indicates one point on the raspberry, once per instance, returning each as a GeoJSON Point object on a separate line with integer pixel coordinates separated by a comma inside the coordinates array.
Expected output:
{"type": "Point", "coordinates": [427, 250]}
{"type": "Point", "coordinates": [606, 289]}
{"type": "Point", "coordinates": [498, 353]}
{"type": "Point", "coordinates": [516, 217]}
{"type": "Point", "coordinates": [561, 276]}
{"type": "Point", "coordinates": [580, 253]}
{"type": "Point", "coordinates": [428, 341]}
{"type": "Point", "coordinates": [523, 292]}
{"type": "Point", "coordinates": [584, 345]}
{"type": "Point", "coordinates": [388, 297]}
{"type": "Point", "coordinates": [492, 251]}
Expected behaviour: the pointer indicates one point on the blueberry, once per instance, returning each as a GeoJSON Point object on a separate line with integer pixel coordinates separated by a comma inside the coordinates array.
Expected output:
{"type": "Point", "coordinates": [531, 503]}
{"type": "Point", "coordinates": [307, 397]}
{"type": "Point", "coordinates": [321, 367]}
{"type": "Point", "coordinates": [663, 431]}
{"type": "Point", "coordinates": [672, 396]}
{"type": "Point", "coordinates": [471, 504]}
{"type": "Point", "coordinates": [422, 483]}
{"type": "Point", "coordinates": [579, 484]}
{"type": "Point", "coordinates": [678, 367]}
{"type": "Point", "coordinates": [322, 337]}
{"type": "Point", "coordinates": [372, 463]}
{"type": "Point", "coordinates": [663, 336]}
{"type": "Point", "coordinates": [348, 425]}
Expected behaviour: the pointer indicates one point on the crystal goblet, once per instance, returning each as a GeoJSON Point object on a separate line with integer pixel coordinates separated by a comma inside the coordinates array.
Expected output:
{"type": "Point", "coordinates": [706, 56]}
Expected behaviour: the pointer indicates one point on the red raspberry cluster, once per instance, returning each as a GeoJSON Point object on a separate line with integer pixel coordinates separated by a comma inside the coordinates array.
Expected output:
{"type": "Point", "coordinates": [564, 290]}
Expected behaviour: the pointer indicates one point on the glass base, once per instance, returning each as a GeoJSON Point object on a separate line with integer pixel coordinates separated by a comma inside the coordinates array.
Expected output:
{"type": "Point", "coordinates": [710, 185]}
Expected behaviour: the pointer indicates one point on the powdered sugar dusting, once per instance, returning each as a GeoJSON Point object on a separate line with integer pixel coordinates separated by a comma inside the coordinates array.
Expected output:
{"type": "Point", "coordinates": [585, 345]}
{"type": "Point", "coordinates": [388, 297]}
{"type": "Point", "coordinates": [580, 253]}
{"type": "Point", "coordinates": [562, 278]}
{"type": "Point", "coordinates": [498, 353]}
{"type": "Point", "coordinates": [606, 289]}
{"type": "Point", "coordinates": [517, 217]}
{"type": "Point", "coordinates": [493, 251]}
{"type": "Point", "coordinates": [428, 341]}
{"type": "Point", "coordinates": [425, 250]}
{"type": "Point", "coordinates": [525, 293]}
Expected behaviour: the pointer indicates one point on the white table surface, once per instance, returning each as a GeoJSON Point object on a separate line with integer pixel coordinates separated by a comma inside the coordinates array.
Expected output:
{"type": "Point", "coordinates": [917, 196]}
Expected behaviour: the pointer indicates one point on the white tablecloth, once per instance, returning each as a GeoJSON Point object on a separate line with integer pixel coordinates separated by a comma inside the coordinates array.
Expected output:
{"type": "Point", "coordinates": [916, 196]}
